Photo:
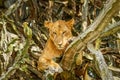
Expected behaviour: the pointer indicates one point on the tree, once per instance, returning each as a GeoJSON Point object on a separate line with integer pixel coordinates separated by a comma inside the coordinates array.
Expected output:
{"type": "Point", "coordinates": [23, 37]}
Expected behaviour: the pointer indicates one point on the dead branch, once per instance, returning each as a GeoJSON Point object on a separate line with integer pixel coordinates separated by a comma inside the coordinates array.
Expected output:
{"type": "Point", "coordinates": [100, 64]}
{"type": "Point", "coordinates": [84, 14]}
{"type": "Point", "coordinates": [20, 55]}
{"type": "Point", "coordinates": [90, 34]}
{"type": "Point", "coordinates": [111, 29]}
{"type": "Point", "coordinates": [114, 68]}
{"type": "Point", "coordinates": [13, 7]}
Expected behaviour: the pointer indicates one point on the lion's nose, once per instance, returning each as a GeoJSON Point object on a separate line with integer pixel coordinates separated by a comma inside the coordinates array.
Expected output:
{"type": "Point", "coordinates": [60, 43]}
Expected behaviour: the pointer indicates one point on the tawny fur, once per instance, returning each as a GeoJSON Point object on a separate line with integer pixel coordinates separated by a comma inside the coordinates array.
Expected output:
{"type": "Point", "coordinates": [60, 34]}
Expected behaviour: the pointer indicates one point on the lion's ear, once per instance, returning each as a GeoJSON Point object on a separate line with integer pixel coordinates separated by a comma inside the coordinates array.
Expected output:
{"type": "Point", "coordinates": [70, 23]}
{"type": "Point", "coordinates": [48, 24]}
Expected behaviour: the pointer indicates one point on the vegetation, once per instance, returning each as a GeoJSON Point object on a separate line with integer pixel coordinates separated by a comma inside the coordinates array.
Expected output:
{"type": "Point", "coordinates": [94, 53]}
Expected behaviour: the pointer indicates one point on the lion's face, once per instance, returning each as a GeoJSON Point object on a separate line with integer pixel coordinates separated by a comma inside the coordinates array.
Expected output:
{"type": "Point", "coordinates": [60, 32]}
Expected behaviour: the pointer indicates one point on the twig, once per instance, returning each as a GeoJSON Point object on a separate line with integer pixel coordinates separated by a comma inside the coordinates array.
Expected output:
{"type": "Point", "coordinates": [21, 53]}
{"type": "Point", "coordinates": [85, 14]}
{"type": "Point", "coordinates": [35, 71]}
{"type": "Point", "coordinates": [114, 68]}
{"type": "Point", "coordinates": [111, 29]}
{"type": "Point", "coordinates": [13, 7]}
{"type": "Point", "coordinates": [9, 72]}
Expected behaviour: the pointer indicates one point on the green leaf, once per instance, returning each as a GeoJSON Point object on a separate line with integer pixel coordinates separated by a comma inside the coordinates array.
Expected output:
{"type": "Point", "coordinates": [27, 30]}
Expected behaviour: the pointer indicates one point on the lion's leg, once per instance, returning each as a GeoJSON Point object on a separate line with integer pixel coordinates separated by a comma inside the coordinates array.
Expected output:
{"type": "Point", "coordinates": [48, 65]}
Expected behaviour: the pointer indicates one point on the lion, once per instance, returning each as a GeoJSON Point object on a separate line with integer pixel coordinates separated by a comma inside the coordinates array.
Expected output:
{"type": "Point", "coordinates": [59, 37]}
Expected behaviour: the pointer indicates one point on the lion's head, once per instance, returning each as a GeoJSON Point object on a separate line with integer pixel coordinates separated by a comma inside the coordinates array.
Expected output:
{"type": "Point", "coordinates": [60, 32]}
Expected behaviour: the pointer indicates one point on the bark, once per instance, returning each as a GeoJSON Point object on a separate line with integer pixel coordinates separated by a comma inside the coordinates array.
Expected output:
{"type": "Point", "coordinates": [91, 34]}
{"type": "Point", "coordinates": [100, 63]}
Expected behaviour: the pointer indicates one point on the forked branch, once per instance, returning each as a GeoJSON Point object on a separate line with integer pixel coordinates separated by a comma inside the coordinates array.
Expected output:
{"type": "Point", "coordinates": [91, 34]}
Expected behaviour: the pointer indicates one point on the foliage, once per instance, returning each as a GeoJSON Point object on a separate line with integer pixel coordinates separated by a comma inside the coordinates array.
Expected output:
{"type": "Point", "coordinates": [93, 54]}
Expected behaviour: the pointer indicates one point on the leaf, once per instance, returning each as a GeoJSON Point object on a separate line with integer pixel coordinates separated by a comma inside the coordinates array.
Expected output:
{"type": "Point", "coordinates": [27, 30]}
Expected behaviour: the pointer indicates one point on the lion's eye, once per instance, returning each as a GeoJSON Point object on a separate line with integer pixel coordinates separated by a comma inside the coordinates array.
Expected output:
{"type": "Point", "coordinates": [64, 32]}
{"type": "Point", "coordinates": [54, 33]}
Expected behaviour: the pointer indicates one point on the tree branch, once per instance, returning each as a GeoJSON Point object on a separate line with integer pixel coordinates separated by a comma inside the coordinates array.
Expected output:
{"type": "Point", "coordinates": [90, 34]}
{"type": "Point", "coordinates": [100, 64]}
